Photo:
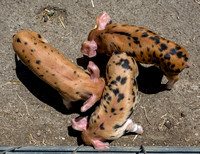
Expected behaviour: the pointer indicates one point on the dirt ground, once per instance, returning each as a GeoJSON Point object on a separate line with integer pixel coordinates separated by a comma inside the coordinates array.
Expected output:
{"type": "Point", "coordinates": [32, 113]}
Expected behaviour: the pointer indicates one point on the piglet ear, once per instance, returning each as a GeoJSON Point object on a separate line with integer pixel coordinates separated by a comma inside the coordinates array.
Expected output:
{"type": "Point", "coordinates": [99, 144]}
{"type": "Point", "coordinates": [94, 71]}
{"type": "Point", "coordinates": [79, 123]}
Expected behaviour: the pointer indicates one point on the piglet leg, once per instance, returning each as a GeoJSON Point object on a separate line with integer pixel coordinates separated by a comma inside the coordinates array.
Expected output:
{"type": "Point", "coordinates": [172, 80]}
{"type": "Point", "coordinates": [133, 127]}
{"type": "Point", "coordinates": [102, 20]}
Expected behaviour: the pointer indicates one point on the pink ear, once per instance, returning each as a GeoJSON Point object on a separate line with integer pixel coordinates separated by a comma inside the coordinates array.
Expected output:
{"type": "Point", "coordinates": [102, 20]}
{"type": "Point", "coordinates": [79, 123]}
{"type": "Point", "coordinates": [94, 71]}
{"type": "Point", "coordinates": [99, 144]}
{"type": "Point", "coordinates": [89, 48]}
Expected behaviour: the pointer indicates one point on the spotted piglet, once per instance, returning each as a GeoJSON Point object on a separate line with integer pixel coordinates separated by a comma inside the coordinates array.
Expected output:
{"type": "Point", "coordinates": [51, 66]}
{"type": "Point", "coordinates": [111, 119]}
{"type": "Point", "coordinates": [142, 44]}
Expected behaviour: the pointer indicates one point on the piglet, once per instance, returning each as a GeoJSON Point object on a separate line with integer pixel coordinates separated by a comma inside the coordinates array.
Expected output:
{"type": "Point", "coordinates": [52, 67]}
{"type": "Point", "coordinates": [142, 44]}
{"type": "Point", "coordinates": [111, 119]}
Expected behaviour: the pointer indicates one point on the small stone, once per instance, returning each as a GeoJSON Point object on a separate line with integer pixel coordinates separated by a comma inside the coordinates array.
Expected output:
{"type": "Point", "coordinates": [168, 124]}
{"type": "Point", "coordinates": [183, 114]}
{"type": "Point", "coordinates": [39, 133]}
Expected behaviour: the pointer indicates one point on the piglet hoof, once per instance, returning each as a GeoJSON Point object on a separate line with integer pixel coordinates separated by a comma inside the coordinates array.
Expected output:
{"type": "Point", "coordinates": [139, 129]}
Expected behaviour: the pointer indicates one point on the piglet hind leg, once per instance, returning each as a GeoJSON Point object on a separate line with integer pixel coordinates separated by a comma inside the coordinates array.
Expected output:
{"type": "Point", "coordinates": [171, 81]}
{"type": "Point", "coordinates": [133, 127]}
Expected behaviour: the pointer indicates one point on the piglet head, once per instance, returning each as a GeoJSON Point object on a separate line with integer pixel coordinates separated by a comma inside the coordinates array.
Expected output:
{"type": "Point", "coordinates": [81, 124]}
{"type": "Point", "coordinates": [89, 48]}
{"type": "Point", "coordinates": [89, 139]}
{"type": "Point", "coordinates": [102, 20]}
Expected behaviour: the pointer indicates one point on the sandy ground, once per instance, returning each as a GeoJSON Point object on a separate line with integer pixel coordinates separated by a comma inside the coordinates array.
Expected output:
{"type": "Point", "coordinates": [32, 113]}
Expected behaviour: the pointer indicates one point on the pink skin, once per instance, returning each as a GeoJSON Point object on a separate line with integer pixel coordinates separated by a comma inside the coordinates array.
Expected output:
{"type": "Point", "coordinates": [94, 76]}
{"type": "Point", "coordinates": [89, 47]}
{"type": "Point", "coordinates": [81, 124]}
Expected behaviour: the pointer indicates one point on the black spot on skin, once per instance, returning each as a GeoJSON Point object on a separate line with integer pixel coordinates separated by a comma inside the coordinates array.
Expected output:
{"type": "Point", "coordinates": [113, 82]}
{"type": "Point", "coordinates": [143, 60]}
{"type": "Point", "coordinates": [32, 50]}
{"type": "Point", "coordinates": [168, 63]}
{"type": "Point", "coordinates": [113, 26]}
{"type": "Point", "coordinates": [124, 25]}
{"type": "Point", "coordinates": [28, 61]}
{"type": "Point", "coordinates": [172, 66]}
{"type": "Point", "coordinates": [137, 30]}
{"type": "Point", "coordinates": [173, 51]}
{"type": "Point", "coordinates": [23, 50]}
{"type": "Point", "coordinates": [179, 54]}
{"type": "Point", "coordinates": [105, 106]}
{"type": "Point", "coordinates": [167, 56]}
{"type": "Point", "coordinates": [154, 54]}
{"type": "Point", "coordinates": [133, 93]}
{"type": "Point", "coordinates": [55, 82]}
{"type": "Point", "coordinates": [112, 110]}
{"type": "Point", "coordinates": [121, 108]}
{"type": "Point", "coordinates": [161, 55]}
{"type": "Point", "coordinates": [152, 46]}
{"type": "Point", "coordinates": [25, 57]}
{"type": "Point", "coordinates": [120, 97]}
{"type": "Point", "coordinates": [113, 44]}
{"type": "Point", "coordinates": [162, 47]}
{"type": "Point", "coordinates": [38, 61]}
{"type": "Point", "coordinates": [124, 63]}
{"type": "Point", "coordinates": [148, 49]}
{"type": "Point", "coordinates": [115, 91]}
{"type": "Point", "coordinates": [129, 44]}
{"type": "Point", "coordinates": [108, 102]}
{"type": "Point", "coordinates": [141, 53]}
{"type": "Point", "coordinates": [45, 46]}
{"type": "Point", "coordinates": [77, 92]}
{"type": "Point", "coordinates": [98, 117]}
{"type": "Point", "coordinates": [117, 126]}
{"type": "Point", "coordinates": [135, 40]}
{"type": "Point", "coordinates": [41, 75]}
{"type": "Point", "coordinates": [178, 47]}
{"type": "Point", "coordinates": [38, 68]}
{"type": "Point", "coordinates": [35, 43]}
{"type": "Point", "coordinates": [100, 39]}
{"type": "Point", "coordinates": [123, 81]}
{"type": "Point", "coordinates": [129, 38]}
{"type": "Point", "coordinates": [151, 32]}
{"type": "Point", "coordinates": [47, 71]}
{"type": "Point", "coordinates": [18, 40]}
{"type": "Point", "coordinates": [51, 50]}
{"type": "Point", "coordinates": [145, 34]}
{"type": "Point", "coordinates": [39, 36]}
{"type": "Point", "coordinates": [123, 33]}
{"type": "Point", "coordinates": [53, 74]}
{"type": "Point", "coordinates": [156, 39]}
{"type": "Point", "coordinates": [25, 43]}
{"type": "Point", "coordinates": [74, 72]}
{"type": "Point", "coordinates": [118, 78]}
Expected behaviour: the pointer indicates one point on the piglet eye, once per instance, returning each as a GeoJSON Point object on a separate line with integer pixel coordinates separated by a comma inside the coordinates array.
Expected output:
{"type": "Point", "coordinates": [13, 35]}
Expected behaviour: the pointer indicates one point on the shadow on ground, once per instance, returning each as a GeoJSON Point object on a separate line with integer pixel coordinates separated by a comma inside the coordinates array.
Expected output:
{"type": "Point", "coordinates": [41, 90]}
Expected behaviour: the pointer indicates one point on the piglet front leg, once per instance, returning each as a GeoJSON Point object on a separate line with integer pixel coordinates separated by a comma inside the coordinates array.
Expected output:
{"type": "Point", "coordinates": [94, 76]}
